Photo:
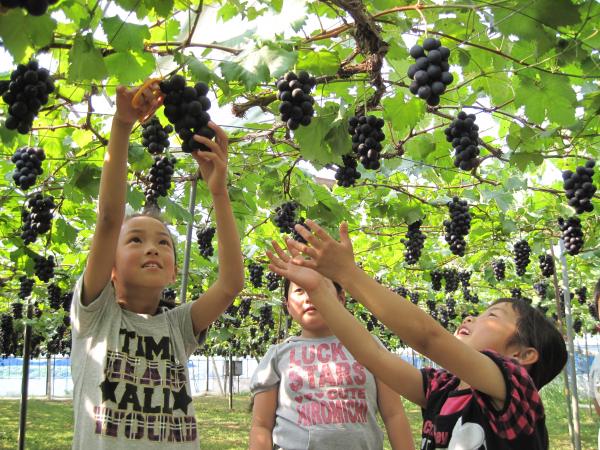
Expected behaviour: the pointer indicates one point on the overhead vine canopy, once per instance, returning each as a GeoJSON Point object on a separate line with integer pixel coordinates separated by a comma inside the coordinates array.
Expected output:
{"type": "Point", "coordinates": [529, 72]}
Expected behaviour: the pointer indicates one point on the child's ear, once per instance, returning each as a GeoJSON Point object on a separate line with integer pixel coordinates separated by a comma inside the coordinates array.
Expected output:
{"type": "Point", "coordinates": [528, 356]}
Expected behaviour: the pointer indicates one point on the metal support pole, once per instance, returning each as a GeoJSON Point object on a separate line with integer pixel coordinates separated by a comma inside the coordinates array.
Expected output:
{"type": "Point", "coordinates": [571, 360]}
{"type": "Point", "coordinates": [217, 376]}
{"type": "Point", "coordinates": [49, 377]}
{"type": "Point", "coordinates": [25, 379]}
{"type": "Point", "coordinates": [188, 242]}
{"type": "Point", "coordinates": [230, 380]}
{"type": "Point", "coordinates": [207, 372]}
{"type": "Point", "coordinates": [589, 381]}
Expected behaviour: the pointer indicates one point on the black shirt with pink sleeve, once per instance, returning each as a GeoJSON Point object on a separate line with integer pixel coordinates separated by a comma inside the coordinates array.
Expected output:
{"type": "Point", "coordinates": [467, 419]}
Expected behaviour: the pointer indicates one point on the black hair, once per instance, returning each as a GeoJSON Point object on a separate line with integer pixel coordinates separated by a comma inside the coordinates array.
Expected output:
{"type": "Point", "coordinates": [154, 213]}
{"type": "Point", "coordinates": [535, 330]}
{"type": "Point", "coordinates": [286, 288]}
{"type": "Point", "coordinates": [597, 292]}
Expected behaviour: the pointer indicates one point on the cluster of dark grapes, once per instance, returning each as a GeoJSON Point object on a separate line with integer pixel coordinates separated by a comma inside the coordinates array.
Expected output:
{"type": "Point", "coordinates": [28, 161]}
{"type": "Point", "coordinates": [296, 106]}
{"type": "Point", "coordinates": [572, 234]}
{"type": "Point", "coordinates": [516, 293]}
{"type": "Point", "coordinates": [470, 296]}
{"type": "Point", "coordinates": [430, 72]}
{"type": "Point", "coordinates": [521, 252]}
{"type": "Point", "coordinates": [273, 281]}
{"type": "Point", "coordinates": [451, 279]}
{"type": "Point", "coordinates": [414, 297]}
{"type": "Point", "coordinates": [44, 267]}
{"type": "Point", "coordinates": [581, 295]}
{"type": "Point", "coordinates": [186, 108]}
{"type": "Point", "coordinates": [33, 7]}
{"type": "Point", "coordinates": [541, 288]}
{"type": "Point", "coordinates": [256, 274]}
{"type": "Point", "coordinates": [593, 309]}
{"type": "Point", "coordinates": [27, 92]}
{"type": "Point", "coordinates": [547, 265]}
{"type": "Point", "coordinates": [464, 276]}
{"type": "Point", "coordinates": [432, 308]}
{"type": "Point", "coordinates": [463, 133]}
{"type": "Point", "coordinates": [244, 307]}
{"type": "Point", "coordinates": [577, 324]}
{"type": "Point", "coordinates": [401, 291]}
{"type": "Point", "coordinates": [36, 217]}
{"type": "Point", "coordinates": [499, 267]}
{"type": "Point", "coordinates": [579, 187]}
{"type": "Point", "coordinates": [155, 137]}
{"type": "Point", "coordinates": [436, 280]}
{"type": "Point", "coordinates": [37, 311]}
{"type": "Point", "coordinates": [169, 295]}
{"type": "Point", "coordinates": [54, 296]}
{"type": "Point", "coordinates": [7, 335]}
{"type": "Point", "coordinates": [285, 217]}
{"type": "Point", "coordinates": [346, 174]}
{"type": "Point", "coordinates": [66, 300]}
{"type": "Point", "coordinates": [414, 242]}
{"type": "Point", "coordinates": [17, 310]}
{"type": "Point", "coordinates": [367, 135]}
{"type": "Point", "coordinates": [265, 318]}
{"type": "Point", "coordinates": [297, 236]}
{"type": "Point", "coordinates": [25, 287]}
{"type": "Point", "coordinates": [457, 227]}
{"type": "Point", "coordinates": [205, 236]}
{"type": "Point", "coordinates": [160, 178]}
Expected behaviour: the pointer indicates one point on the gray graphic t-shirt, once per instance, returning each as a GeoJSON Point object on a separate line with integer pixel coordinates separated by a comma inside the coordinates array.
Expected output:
{"type": "Point", "coordinates": [130, 376]}
{"type": "Point", "coordinates": [327, 400]}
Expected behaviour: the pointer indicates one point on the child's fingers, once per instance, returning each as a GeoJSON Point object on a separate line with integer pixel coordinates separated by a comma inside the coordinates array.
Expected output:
{"type": "Point", "coordinates": [220, 135]}
{"type": "Point", "coordinates": [302, 248]}
{"type": "Point", "coordinates": [280, 252]}
{"type": "Point", "coordinates": [213, 146]}
{"type": "Point", "coordinates": [277, 262]}
{"type": "Point", "coordinates": [307, 235]}
{"type": "Point", "coordinates": [293, 251]}
{"type": "Point", "coordinates": [317, 230]}
{"type": "Point", "coordinates": [300, 261]}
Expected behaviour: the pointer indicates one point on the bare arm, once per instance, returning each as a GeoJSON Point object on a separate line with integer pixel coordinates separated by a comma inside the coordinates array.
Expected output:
{"type": "Point", "coordinates": [230, 280]}
{"type": "Point", "coordinates": [263, 420]}
{"type": "Point", "coordinates": [415, 327]}
{"type": "Point", "coordinates": [597, 407]}
{"type": "Point", "coordinates": [394, 417]}
{"type": "Point", "coordinates": [113, 186]}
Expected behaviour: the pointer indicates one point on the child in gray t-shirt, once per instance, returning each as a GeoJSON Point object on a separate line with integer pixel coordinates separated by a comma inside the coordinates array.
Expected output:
{"type": "Point", "coordinates": [310, 393]}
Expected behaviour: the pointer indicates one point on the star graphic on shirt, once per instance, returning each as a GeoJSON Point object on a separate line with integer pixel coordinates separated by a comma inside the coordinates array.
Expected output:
{"type": "Point", "coordinates": [108, 390]}
{"type": "Point", "coordinates": [182, 400]}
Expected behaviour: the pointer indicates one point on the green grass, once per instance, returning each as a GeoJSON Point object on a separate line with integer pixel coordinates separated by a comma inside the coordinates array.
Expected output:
{"type": "Point", "coordinates": [50, 423]}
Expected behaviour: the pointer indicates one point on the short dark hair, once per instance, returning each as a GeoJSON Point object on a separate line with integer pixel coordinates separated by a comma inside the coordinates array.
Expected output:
{"type": "Point", "coordinates": [154, 213]}
{"type": "Point", "coordinates": [535, 330]}
{"type": "Point", "coordinates": [597, 291]}
{"type": "Point", "coordinates": [286, 288]}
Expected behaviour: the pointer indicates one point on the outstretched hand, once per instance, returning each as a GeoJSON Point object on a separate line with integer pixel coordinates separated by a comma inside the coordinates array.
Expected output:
{"type": "Point", "coordinates": [213, 163]}
{"type": "Point", "coordinates": [147, 101]}
{"type": "Point", "coordinates": [322, 253]}
{"type": "Point", "coordinates": [281, 264]}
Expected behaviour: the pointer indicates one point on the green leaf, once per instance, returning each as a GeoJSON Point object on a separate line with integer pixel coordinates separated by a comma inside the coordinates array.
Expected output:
{"type": "Point", "coordinates": [12, 25]}
{"type": "Point", "coordinates": [311, 137]}
{"type": "Point", "coordinates": [163, 8]}
{"type": "Point", "coordinates": [522, 160]}
{"type": "Point", "coordinates": [41, 30]}
{"type": "Point", "coordinates": [130, 67]}
{"type": "Point", "coordinates": [85, 61]}
{"type": "Point", "coordinates": [123, 36]}
{"type": "Point", "coordinates": [322, 62]}
{"type": "Point", "coordinates": [403, 115]}
{"type": "Point", "coordinates": [66, 233]}
{"type": "Point", "coordinates": [199, 70]}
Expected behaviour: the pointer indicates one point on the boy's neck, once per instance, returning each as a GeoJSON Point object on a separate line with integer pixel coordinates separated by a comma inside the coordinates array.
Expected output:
{"type": "Point", "coordinates": [313, 334]}
{"type": "Point", "coordinates": [139, 301]}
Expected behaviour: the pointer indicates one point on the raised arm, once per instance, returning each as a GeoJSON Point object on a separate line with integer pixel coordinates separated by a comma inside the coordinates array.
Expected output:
{"type": "Point", "coordinates": [416, 328]}
{"type": "Point", "coordinates": [263, 420]}
{"type": "Point", "coordinates": [113, 186]}
{"type": "Point", "coordinates": [230, 280]}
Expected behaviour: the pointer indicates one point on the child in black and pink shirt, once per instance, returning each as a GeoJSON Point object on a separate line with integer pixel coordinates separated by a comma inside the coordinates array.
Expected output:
{"type": "Point", "coordinates": [485, 398]}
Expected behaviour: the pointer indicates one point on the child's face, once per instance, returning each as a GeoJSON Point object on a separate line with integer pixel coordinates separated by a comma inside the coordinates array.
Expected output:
{"type": "Point", "coordinates": [145, 254]}
{"type": "Point", "coordinates": [492, 330]}
{"type": "Point", "coordinates": [304, 312]}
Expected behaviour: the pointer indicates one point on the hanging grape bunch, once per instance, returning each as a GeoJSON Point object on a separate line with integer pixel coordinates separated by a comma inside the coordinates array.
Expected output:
{"type": "Point", "coordinates": [256, 274]}
{"type": "Point", "coordinates": [285, 217]}
{"type": "Point", "coordinates": [581, 295]}
{"type": "Point", "coordinates": [451, 279]}
{"type": "Point", "coordinates": [541, 288]}
{"type": "Point", "coordinates": [346, 174]}
{"type": "Point", "coordinates": [572, 234]}
{"type": "Point", "coordinates": [186, 108]}
{"type": "Point", "coordinates": [17, 310]}
{"type": "Point", "coordinates": [464, 276]}
{"type": "Point", "coordinates": [463, 133]}
{"type": "Point", "coordinates": [160, 178]}
{"type": "Point", "coordinates": [521, 252]}
{"type": "Point", "coordinates": [28, 161]}
{"type": "Point", "coordinates": [27, 92]}
{"type": "Point", "coordinates": [296, 106]}
{"type": "Point", "coordinates": [499, 267]}
{"type": "Point", "coordinates": [265, 319]}
{"type": "Point", "coordinates": [33, 7]}
{"type": "Point", "coordinates": [577, 324]}
{"type": "Point", "coordinates": [44, 268]}
{"type": "Point", "coordinates": [458, 226]}
{"type": "Point", "coordinates": [155, 137]}
{"type": "Point", "coordinates": [430, 72]}
{"type": "Point", "coordinates": [36, 217]}
{"type": "Point", "coordinates": [546, 265]}
{"type": "Point", "coordinates": [367, 135]}
{"type": "Point", "coordinates": [579, 187]}
{"type": "Point", "coordinates": [273, 281]}
{"type": "Point", "coordinates": [414, 242]}
{"type": "Point", "coordinates": [205, 236]}
{"type": "Point", "coordinates": [25, 287]}
{"type": "Point", "coordinates": [436, 280]}
{"type": "Point", "coordinates": [6, 335]}
{"type": "Point", "coordinates": [54, 296]}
